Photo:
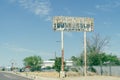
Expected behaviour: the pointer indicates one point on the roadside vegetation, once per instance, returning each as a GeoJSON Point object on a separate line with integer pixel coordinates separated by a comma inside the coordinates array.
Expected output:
{"type": "Point", "coordinates": [96, 56]}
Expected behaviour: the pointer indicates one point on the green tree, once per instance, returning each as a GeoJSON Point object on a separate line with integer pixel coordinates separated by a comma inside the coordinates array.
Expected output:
{"type": "Point", "coordinates": [95, 47]}
{"type": "Point", "coordinates": [112, 59]}
{"type": "Point", "coordinates": [57, 64]}
{"type": "Point", "coordinates": [97, 59]}
{"type": "Point", "coordinates": [34, 62]}
{"type": "Point", "coordinates": [77, 61]}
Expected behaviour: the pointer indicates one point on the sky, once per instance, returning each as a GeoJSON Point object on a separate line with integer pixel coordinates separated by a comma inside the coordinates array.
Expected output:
{"type": "Point", "coordinates": [26, 28]}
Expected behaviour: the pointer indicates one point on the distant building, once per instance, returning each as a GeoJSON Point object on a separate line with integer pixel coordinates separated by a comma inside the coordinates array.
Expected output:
{"type": "Point", "coordinates": [51, 63]}
{"type": "Point", "coordinates": [69, 63]}
{"type": "Point", "coordinates": [48, 63]}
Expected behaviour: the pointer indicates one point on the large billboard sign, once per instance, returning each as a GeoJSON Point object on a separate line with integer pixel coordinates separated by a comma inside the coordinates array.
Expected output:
{"type": "Point", "coordinates": [73, 23]}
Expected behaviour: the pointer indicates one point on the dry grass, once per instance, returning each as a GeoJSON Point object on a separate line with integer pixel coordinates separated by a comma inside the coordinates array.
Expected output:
{"type": "Point", "coordinates": [93, 78]}
{"type": "Point", "coordinates": [44, 74]}
{"type": "Point", "coordinates": [72, 76]}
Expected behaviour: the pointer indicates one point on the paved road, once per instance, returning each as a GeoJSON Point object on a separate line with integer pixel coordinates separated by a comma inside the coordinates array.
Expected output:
{"type": "Point", "coordinates": [10, 76]}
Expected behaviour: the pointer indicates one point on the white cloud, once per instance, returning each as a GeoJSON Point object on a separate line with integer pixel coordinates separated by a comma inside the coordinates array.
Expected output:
{"type": "Point", "coordinates": [38, 7]}
{"type": "Point", "coordinates": [22, 50]}
{"type": "Point", "coordinates": [111, 4]}
{"type": "Point", "coordinates": [17, 49]}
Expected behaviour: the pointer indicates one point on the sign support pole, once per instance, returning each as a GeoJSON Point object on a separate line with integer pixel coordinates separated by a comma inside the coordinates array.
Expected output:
{"type": "Point", "coordinates": [85, 50]}
{"type": "Point", "coordinates": [63, 23]}
{"type": "Point", "coordinates": [62, 50]}
{"type": "Point", "coordinates": [62, 72]}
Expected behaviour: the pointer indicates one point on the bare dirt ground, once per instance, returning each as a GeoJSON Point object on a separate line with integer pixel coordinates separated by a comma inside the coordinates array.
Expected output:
{"type": "Point", "coordinates": [55, 76]}
{"type": "Point", "coordinates": [81, 78]}
{"type": "Point", "coordinates": [93, 78]}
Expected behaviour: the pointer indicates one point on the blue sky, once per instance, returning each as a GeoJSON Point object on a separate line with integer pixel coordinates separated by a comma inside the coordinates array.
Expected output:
{"type": "Point", "coordinates": [26, 27]}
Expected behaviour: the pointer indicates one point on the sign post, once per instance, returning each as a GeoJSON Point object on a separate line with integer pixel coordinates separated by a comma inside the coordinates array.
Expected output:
{"type": "Point", "coordinates": [85, 66]}
{"type": "Point", "coordinates": [62, 73]}
{"type": "Point", "coordinates": [77, 24]}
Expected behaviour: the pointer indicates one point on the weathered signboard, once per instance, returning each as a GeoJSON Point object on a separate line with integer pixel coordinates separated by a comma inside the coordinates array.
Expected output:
{"type": "Point", "coordinates": [73, 23]}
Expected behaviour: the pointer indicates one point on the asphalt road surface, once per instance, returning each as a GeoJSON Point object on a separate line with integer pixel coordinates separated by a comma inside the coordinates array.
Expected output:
{"type": "Point", "coordinates": [10, 76]}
